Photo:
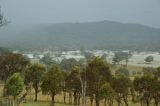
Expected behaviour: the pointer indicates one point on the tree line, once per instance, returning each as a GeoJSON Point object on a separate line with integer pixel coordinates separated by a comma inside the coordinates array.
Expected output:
{"type": "Point", "coordinates": [93, 80]}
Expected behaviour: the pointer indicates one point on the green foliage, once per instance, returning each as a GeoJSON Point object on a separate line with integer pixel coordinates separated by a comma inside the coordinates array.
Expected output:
{"type": "Point", "coordinates": [73, 80]}
{"type": "Point", "coordinates": [120, 56]}
{"type": "Point", "coordinates": [14, 85]}
{"type": "Point", "coordinates": [68, 64]}
{"type": "Point", "coordinates": [149, 59]}
{"type": "Point", "coordinates": [121, 84]}
{"type": "Point", "coordinates": [106, 91]}
{"type": "Point", "coordinates": [98, 73]}
{"type": "Point", "coordinates": [146, 86]}
{"type": "Point", "coordinates": [33, 74]}
{"type": "Point", "coordinates": [11, 63]}
{"type": "Point", "coordinates": [51, 82]}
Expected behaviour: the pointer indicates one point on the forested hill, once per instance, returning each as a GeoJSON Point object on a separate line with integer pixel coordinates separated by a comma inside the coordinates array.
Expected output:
{"type": "Point", "coordinates": [90, 35]}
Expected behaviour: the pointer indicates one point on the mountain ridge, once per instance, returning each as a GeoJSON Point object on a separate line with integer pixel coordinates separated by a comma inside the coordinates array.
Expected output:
{"type": "Point", "coordinates": [89, 35]}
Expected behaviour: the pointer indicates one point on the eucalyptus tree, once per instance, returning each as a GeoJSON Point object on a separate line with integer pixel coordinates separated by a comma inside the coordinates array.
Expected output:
{"type": "Point", "coordinates": [52, 82]}
{"type": "Point", "coordinates": [98, 73]}
{"type": "Point", "coordinates": [107, 93]}
{"type": "Point", "coordinates": [121, 85]}
{"type": "Point", "coordinates": [74, 84]}
{"type": "Point", "coordinates": [33, 74]}
{"type": "Point", "coordinates": [145, 87]}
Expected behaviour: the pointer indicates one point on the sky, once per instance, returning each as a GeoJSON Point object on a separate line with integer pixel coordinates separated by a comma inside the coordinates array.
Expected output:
{"type": "Point", "coordinates": [145, 12]}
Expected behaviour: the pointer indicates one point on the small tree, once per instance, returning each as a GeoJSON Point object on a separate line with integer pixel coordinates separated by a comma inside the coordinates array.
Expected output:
{"type": "Point", "coordinates": [14, 85]}
{"type": "Point", "coordinates": [149, 59]}
{"type": "Point", "coordinates": [34, 74]}
{"type": "Point", "coordinates": [107, 93]}
{"type": "Point", "coordinates": [52, 82]}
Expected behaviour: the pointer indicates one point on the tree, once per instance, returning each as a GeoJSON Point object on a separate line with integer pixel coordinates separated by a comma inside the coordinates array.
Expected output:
{"type": "Point", "coordinates": [73, 84]}
{"type": "Point", "coordinates": [121, 85]}
{"type": "Point", "coordinates": [144, 87]}
{"type": "Point", "coordinates": [33, 74]}
{"type": "Point", "coordinates": [120, 56]}
{"type": "Point", "coordinates": [52, 82]}
{"type": "Point", "coordinates": [156, 91]}
{"type": "Point", "coordinates": [14, 85]}
{"type": "Point", "coordinates": [149, 59]}
{"type": "Point", "coordinates": [98, 72]}
{"type": "Point", "coordinates": [107, 93]}
{"type": "Point", "coordinates": [68, 64]}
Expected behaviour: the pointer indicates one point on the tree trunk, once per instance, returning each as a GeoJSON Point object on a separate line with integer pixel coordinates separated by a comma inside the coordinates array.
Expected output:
{"type": "Point", "coordinates": [91, 99]}
{"type": "Point", "coordinates": [105, 102]}
{"type": "Point", "coordinates": [156, 101]}
{"type": "Point", "coordinates": [141, 102]}
{"type": "Point", "coordinates": [147, 102]}
{"type": "Point", "coordinates": [125, 99]}
{"type": "Point", "coordinates": [97, 100]}
{"type": "Point", "coordinates": [36, 92]}
{"type": "Point", "coordinates": [64, 97]}
{"type": "Point", "coordinates": [75, 98]}
{"type": "Point", "coordinates": [79, 97]}
{"type": "Point", "coordinates": [4, 91]}
{"type": "Point", "coordinates": [119, 100]}
{"type": "Point", "coordinates": [52, 103]}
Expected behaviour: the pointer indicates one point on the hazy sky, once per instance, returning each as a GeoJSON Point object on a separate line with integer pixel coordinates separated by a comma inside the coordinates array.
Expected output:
{"type": "Point", "coordinates": [54, 11]}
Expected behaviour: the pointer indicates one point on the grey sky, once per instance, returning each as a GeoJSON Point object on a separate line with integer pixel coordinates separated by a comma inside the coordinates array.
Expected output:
{"type": "Point", "coordinates": [54, 11]}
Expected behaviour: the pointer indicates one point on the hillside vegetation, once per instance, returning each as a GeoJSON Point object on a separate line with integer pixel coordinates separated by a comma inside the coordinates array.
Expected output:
{"type": "Point", "coordinates": [90, 35]}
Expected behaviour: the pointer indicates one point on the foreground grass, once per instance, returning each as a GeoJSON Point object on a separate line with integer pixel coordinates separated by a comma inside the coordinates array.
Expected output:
{"type": "Point", "coordinates": [40, 103]}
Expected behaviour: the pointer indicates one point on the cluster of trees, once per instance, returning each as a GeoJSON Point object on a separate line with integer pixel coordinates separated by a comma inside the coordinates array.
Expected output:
{"type": "Point", "coordinates": [121, 56]}
{"type": "Point", "coordinates": [72, 78]}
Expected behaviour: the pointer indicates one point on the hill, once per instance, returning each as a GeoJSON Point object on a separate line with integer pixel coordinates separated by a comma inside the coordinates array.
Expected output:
{"type": "Point", "coordinates": [90, 35]}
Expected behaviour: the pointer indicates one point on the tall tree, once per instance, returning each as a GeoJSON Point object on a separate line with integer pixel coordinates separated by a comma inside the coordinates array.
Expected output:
{"type": "Point", "coordinates": [144, 87]}
{"type": "Point", "coordinates": [33, 74]}
{"type": "Point", "coordinates": [107, 93]}
{"type": "Point", "coordinates": [52, 82]}
{"type": "Point", "coordinates": [121, 85]}
{"type": "Point", "coordinates": [98, 72]}
{"type": "Point", "coordinates": [73, 84]}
